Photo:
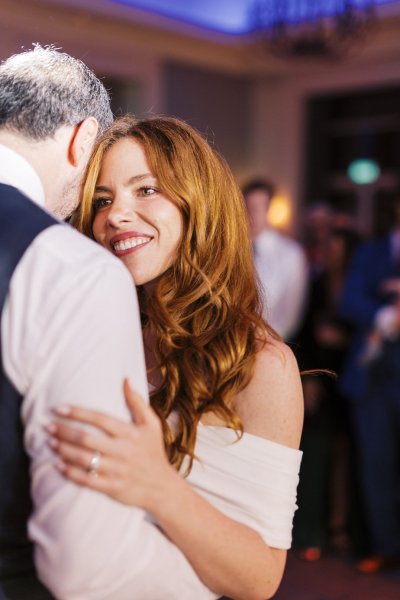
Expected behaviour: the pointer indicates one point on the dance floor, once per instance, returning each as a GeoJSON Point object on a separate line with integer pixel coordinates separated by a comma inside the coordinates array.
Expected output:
{"type": "Point", "coordinates": [335, 578]}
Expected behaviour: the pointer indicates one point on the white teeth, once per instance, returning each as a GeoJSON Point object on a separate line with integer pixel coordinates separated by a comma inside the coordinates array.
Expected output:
{"type": "Point", "coordinates": [130, 243]}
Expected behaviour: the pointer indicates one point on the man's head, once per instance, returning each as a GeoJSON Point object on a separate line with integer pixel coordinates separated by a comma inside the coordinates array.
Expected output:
{"type": "Point", "coordinates": [52, 108]}
{"type": "Point", "coordinates": [258, 194]}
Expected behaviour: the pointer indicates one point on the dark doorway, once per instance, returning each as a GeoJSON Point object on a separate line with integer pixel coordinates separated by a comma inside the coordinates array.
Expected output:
{"type": "Point", "coordinates": [343, 128]}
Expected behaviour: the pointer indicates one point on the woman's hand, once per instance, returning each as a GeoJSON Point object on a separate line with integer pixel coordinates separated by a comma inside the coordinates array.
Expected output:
{"type": "Point", "coordinates": [126, 461]}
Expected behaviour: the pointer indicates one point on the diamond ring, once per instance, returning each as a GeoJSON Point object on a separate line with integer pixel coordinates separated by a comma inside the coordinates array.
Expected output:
{"type": "Point", "coordinates": [94, 464]}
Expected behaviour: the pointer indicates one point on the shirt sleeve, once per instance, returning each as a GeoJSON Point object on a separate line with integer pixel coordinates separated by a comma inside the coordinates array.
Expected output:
{"type": "Point", "coordinates": [73, 335]}
{"type": "Point", "coordinates": [288, 307]}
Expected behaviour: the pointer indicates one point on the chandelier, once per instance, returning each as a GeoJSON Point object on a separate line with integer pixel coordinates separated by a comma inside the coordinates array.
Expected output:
{"type": "Point", "coordinates": [311, 28]}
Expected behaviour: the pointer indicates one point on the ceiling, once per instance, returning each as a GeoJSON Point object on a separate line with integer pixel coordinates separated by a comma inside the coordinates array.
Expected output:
{"type": "Point", "coordinates": [209, 33]}
{"type": "Point", "coordinates": [224, 16]}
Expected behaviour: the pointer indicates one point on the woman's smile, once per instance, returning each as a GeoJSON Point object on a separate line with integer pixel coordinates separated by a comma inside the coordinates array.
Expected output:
{"type": "Point", "coordinates": [128, 241]}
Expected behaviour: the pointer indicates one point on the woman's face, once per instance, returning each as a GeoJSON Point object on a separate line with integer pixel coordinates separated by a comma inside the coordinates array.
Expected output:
{"type": "Point", "coordinates": [133, 219]}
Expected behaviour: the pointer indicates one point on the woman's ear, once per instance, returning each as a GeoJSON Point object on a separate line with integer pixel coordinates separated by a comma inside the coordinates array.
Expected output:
{"type": "Point", "coordinates": [82, 141]}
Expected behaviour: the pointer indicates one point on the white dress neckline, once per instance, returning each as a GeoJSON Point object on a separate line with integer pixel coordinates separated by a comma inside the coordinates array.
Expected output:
{"type": "Point", "coordinates": [252, 480]}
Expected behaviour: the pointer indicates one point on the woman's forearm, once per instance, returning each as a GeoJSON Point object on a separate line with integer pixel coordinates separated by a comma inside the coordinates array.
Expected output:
{"type": "Point", "coordinates": [230, 558]}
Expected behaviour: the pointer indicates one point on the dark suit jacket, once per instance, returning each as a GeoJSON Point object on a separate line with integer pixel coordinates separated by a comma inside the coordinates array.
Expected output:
{"type": "Point", "coordinates": [362, 298]}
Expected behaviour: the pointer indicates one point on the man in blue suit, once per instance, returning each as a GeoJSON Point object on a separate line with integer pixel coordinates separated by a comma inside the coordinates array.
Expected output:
{"type": "Point", "coordinates": [371, 300]}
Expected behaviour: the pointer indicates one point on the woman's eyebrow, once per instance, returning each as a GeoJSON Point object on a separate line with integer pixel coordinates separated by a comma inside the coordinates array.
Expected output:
{"type": "Point", "coordinates": [101, 188]}
{"type": "Point", "coordinates": [130, 181]}
{"type": "Point", "coordinates": [137, 178]}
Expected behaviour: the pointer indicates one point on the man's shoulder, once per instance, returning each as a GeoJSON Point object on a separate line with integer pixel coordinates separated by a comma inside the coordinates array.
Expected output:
{"type": "Point", "coordinates": [62, 267]}
{"type": "Point", "coordinates": [373, 248]}
{"type": "Point", "coordinates": [275, 246]}
{"type": "Point", "coordinates": [289, 246]}
{"type": "Point", "coordinates": [62, 261]}
{"type": "Point", "coordinates": [290, 241]}
{"type": "Point", "coordinates": [66, 247]}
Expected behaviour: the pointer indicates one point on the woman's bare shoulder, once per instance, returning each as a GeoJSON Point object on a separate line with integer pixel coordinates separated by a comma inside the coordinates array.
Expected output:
{"type": "Point", "coordinates": [271, 406]}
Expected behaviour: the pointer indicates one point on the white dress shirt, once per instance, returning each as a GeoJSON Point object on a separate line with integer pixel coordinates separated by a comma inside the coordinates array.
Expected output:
{"type": "Point", "coordinates": [70, 333]}
{"type": "Point", "coordinates": [282, 269]}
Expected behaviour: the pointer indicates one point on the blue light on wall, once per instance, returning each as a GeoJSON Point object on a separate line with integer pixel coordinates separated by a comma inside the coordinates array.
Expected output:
{"type": "Point", "coordinates": [224, 16]}
{"type": "Point", "coordinates": [363, 171]}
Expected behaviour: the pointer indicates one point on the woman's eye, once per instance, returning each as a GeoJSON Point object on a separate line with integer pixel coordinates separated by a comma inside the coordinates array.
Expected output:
{"type": "Point", "coordinates": [100, 203]}
{"type": "Point", "coordinates": [147, 191]}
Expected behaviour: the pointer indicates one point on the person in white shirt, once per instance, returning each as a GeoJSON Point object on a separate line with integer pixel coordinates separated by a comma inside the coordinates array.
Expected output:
{"type": "Point", "coordinates": [70, 330]}
{"type": "Point", "coordinates": [280, 262]}
{"type": "Point", "coordinates": [215, 461]}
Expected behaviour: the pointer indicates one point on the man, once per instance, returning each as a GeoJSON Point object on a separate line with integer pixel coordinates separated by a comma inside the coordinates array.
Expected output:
{"type": "Point", "coordinates": [70, 333]}
{"type": "Point", "coordinates": [280, 262]}
{"type": "Point", "coordinates": [371, 301]}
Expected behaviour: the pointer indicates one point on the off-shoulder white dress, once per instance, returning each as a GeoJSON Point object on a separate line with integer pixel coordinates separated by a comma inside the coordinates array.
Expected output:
{"type": "Point", "coordinates": [251, 480]}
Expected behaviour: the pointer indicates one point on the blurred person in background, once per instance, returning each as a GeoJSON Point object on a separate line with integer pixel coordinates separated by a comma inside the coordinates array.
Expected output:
{"type": "Point", "coordinates": [279, 260]}
{"type": "Point", "coordinates": [344, 219]}
{"type": "Point", "coordinates": [318, 224]}
{"type": "Point", "coordinates": [326, 471]}
{"type": "Point", "coordinates": [371, 301]}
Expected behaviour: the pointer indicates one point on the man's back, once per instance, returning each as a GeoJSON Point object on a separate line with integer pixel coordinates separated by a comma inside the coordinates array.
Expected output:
{"type": "Point", "coordinates": [21, 222]}
{"type": "Point", "coordinates": [59, 308]}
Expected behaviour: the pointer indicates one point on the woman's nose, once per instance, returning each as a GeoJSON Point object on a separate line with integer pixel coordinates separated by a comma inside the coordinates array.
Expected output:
{"type": "Point", "coordinates": [120, 212]}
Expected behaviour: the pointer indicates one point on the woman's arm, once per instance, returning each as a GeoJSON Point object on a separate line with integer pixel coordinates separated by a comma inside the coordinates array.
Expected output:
{"type": "Point", "coordinates": [230, 558]}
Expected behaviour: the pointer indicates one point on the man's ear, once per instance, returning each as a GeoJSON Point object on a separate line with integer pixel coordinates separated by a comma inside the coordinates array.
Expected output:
{"type": "Point", "coordinates": [82, 140]}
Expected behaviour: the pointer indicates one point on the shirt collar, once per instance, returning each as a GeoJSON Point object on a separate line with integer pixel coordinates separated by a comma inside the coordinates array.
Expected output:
{"type": "Point", "coordinates": [17, 172]}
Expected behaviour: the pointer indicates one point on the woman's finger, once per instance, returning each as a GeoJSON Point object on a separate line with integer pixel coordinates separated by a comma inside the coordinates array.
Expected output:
{"type": "Point", "coordinates": [141, 412]}
{"type": "Point", "coordinates": [81, 438]}
{"type": "Point", "coordinates": [81, 477]}
{"type": "Point", "coordinates": [106, 423]}
{"type": "Point", "coordinates": [93, 463]}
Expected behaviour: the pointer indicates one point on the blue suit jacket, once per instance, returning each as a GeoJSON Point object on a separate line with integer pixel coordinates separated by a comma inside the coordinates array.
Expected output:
{"type": "Point", "coordinates": [361, 299]}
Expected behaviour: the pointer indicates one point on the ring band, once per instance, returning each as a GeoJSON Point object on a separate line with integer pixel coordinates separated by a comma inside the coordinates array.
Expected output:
{"type": "Point", "coordinates": [94, 464]}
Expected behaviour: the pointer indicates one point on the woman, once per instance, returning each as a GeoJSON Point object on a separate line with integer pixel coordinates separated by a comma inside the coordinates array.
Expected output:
{"type": "Point", "coordinates": [215, 460]}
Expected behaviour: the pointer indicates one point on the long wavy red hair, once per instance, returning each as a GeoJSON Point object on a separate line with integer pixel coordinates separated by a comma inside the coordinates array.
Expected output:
{"type": "Point", "coordinates": [205, 311]}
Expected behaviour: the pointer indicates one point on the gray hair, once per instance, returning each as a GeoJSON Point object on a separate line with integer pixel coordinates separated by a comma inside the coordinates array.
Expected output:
{"type": "Point", "coordinates": [43, 89]}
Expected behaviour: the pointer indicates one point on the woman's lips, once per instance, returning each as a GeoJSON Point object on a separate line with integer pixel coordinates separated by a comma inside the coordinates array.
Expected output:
{"type": "Point", "coordinates": [127, 242]}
